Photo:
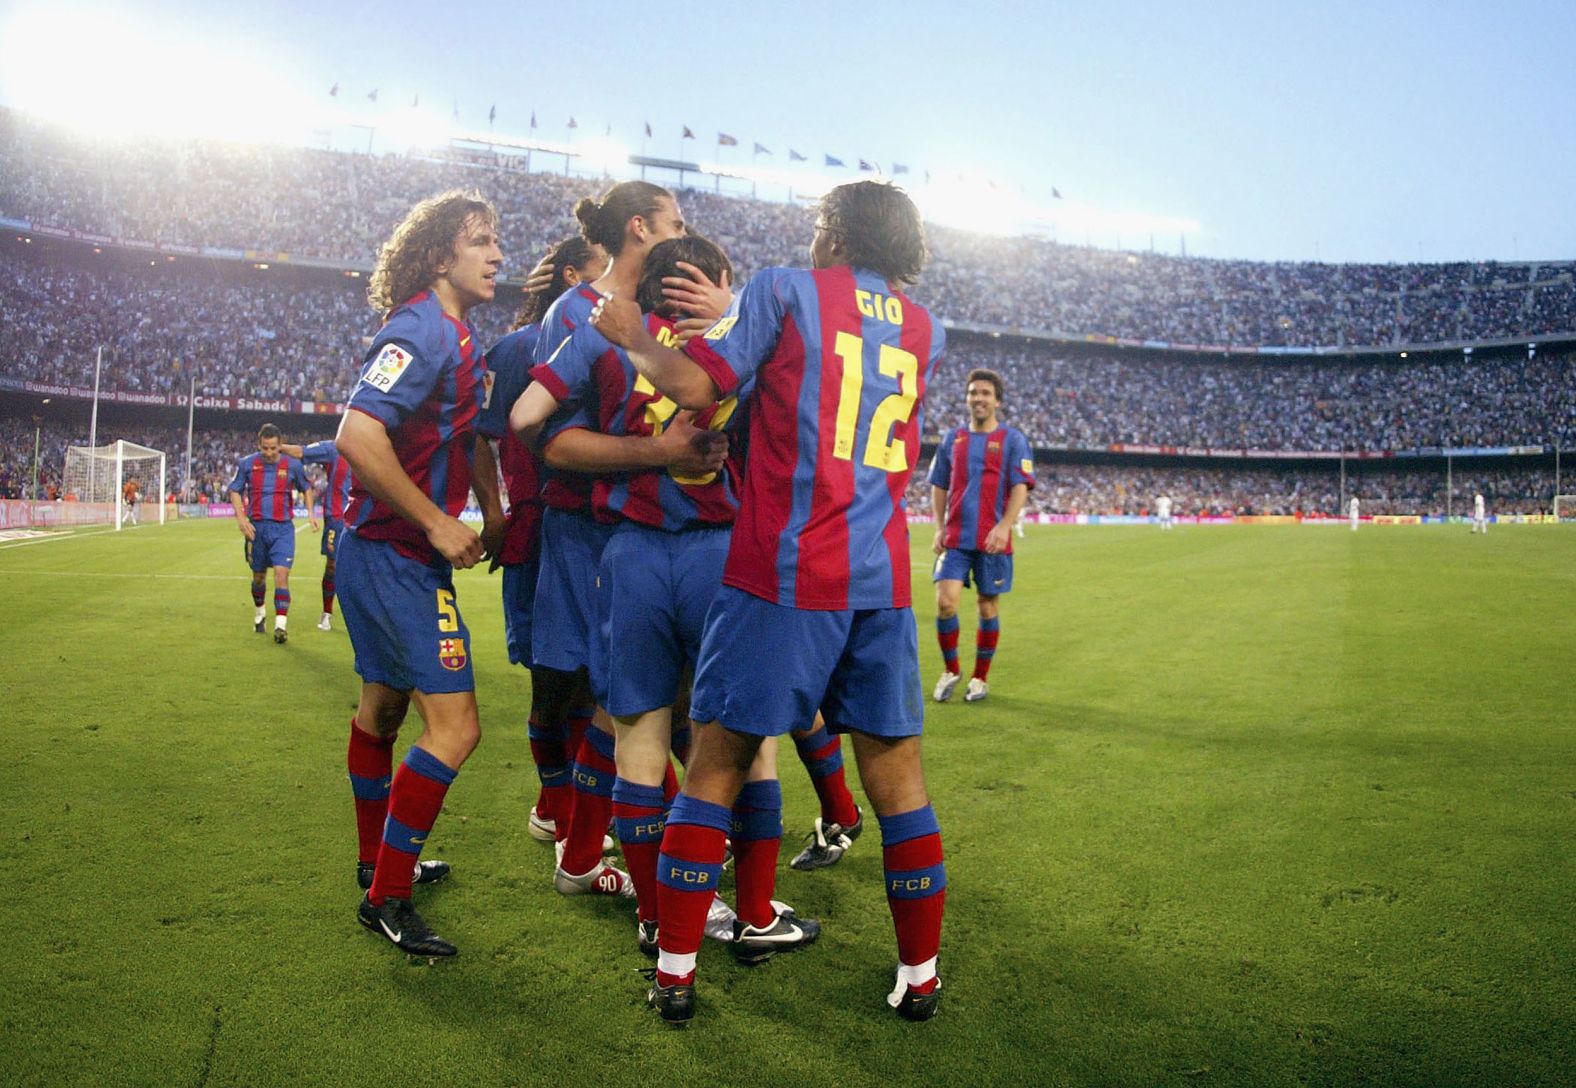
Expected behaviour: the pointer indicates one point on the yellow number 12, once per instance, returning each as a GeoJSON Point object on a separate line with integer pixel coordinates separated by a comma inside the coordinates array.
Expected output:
{"type": "Point", "coordinates": [882, 451]}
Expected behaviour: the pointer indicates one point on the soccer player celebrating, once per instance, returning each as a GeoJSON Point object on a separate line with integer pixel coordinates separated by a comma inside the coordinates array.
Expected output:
{"type": "Point", "coordinates": [627, 221]}
{"type": "Point", "coordinates": [264, 503]}
{"type": "Point", "coordinates": [660, 570]}
{"type": "Point", "coordinates": [979, 480]}
{"type": "Point", "coordinates": [335, 496]}
{"type": "Point", "coordinates": [817, 577]}
{"type": "Point", "coordinates": [409, 434]}
{"type": "Point", "coordinates": [509, 361]}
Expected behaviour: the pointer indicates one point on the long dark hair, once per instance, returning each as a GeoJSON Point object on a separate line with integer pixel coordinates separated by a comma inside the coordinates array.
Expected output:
{"type": "Point", "coordinates": [573, 252]}
{"type": "Point", "coordinates": [603, 221]}
{"type": "Point", "coordinates": [880, 228]}
{"type": "Point", "coordinates": [663, 260]}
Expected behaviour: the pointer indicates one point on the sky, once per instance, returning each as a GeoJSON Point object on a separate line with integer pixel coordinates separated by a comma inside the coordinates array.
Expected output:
{"type": "Point", "coordinates": [1385, 131]}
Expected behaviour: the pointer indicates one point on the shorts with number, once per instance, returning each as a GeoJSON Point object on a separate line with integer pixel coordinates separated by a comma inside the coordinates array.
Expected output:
{"type": "Point", "coordinates": [564, 612]}
{"type": "Point", "coordinates": [333, 529]}
{"type": "Point", "coordinates": [404, 624]}
{"type": "Point", "coordinates": [990, 574]}
{"type": "Point", "coordinates": [766, 668]}
{"type": "Point", "coordinates": [519, 600]}
{"type": "Point", "coordinates": [653, 592]}
{"type": "Point", "coordinates": [272, 546]}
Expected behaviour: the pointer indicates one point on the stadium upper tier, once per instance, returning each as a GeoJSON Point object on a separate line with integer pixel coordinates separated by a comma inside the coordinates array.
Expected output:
{"type": "Point", "coordinates": [337, 207]}
{"type": "Point", "coordinates": [244, 333]}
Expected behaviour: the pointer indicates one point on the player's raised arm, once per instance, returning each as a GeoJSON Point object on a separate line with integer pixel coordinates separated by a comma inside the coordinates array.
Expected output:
{"type": "Point", "coordinates": [676, 376]}
{"type": "Point", "coordinates": [364, 442]}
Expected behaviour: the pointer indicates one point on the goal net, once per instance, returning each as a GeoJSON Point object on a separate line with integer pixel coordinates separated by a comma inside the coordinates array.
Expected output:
{"type": "Point", "coordinates": [1565, 508]}
{"type": "Point", "coordinates": [123, 483]}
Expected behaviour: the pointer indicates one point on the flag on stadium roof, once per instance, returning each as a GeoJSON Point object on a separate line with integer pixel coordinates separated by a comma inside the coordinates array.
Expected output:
{"type": "Point", "coordinates": [867, 165]}
{"type": "Point", "coordinates": [415, 101]}
{"type": "Point", "coordinates": [830, 161]}
{"type": "Point", "coordinates": [1056, 193]}
{"type": "Point", "coordinates": [648, 129]}
{"type": "Point", "coordinates": [688, 135]}
{"type": "Point", "coordinates": [762, 149]}
{"type": "Point", "coordinates": [724, 140]}
{"type": "Point", "coordinates": [609, 131]}
{"type": "Point", "coordinates": [899, 168]}
{"type": "Point", "coordinates": [372, 95]}
{"type": "Point", "coordinates": [533, 117]}
{"type": "Point", "coordinates": [333, 92]}
{"type": "Point", "coordinates": [492, 115]}
{"type": "Point", "coordinates": [794, 156]}
{"type": "Point", "coordinates": [573, 123]}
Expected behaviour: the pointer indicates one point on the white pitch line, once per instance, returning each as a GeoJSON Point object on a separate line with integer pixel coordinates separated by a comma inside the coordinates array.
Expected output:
{"type": "Point", "coordinates": [55, 536]}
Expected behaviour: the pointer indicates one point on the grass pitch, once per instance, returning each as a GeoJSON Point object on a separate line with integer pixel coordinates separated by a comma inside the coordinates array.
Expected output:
{"type": "Point", "coordinates": [1248, 806]}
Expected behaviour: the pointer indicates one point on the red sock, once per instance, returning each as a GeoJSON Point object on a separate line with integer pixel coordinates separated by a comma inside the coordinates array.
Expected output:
{"type": "Point", "coordinates": [552, 767]}
{"type": "Point", "coordinates": [415, 800]}
{"type": "Point", "coordinates": [821, 753]}
{"type": "Point", "coordinates": [638, 814]}
{"type": "Point", "coordinates": [594, 775]}
{"type": "Point", "coordinates": [687, 873]}
{"type": "Point", "coordinates": [258, 592]}
{"type": "Point", "coordinates": [371, 763]}
{"type": "Point", "coordinates": [985, 640]}
{"type": "Point", "coordinates": [916, 882]}
{"type": "Point", "coordinates": [757, 838]}
{"type": "Point", "coordinates": [328, 594]}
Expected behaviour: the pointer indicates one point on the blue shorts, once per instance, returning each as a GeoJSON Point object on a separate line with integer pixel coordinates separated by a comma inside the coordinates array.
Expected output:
{"type": "Point", "coordinates": [519, 598]}
{"type": "Point", "coordinates": [404, 624]}
{"type": "Point", "coordinates": [274, 545]}
{"type": "Point", "coordinates": [652, 595]}
{"type": "Point", "coordinates": [562, 617]}
{"type": "Point", "coordinates": [333, 529]}
{"type": "Point", "coordinates": [991, 574]}
{"type": "Point", "coordinates": [766, 668]}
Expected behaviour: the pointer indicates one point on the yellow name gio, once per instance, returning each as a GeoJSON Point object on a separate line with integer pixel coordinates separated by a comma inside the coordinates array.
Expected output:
{"type": "Point", "coordinates": [881, 307]}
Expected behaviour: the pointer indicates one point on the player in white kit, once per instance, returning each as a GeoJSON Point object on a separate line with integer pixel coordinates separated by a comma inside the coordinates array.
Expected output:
{"type": "Point", "coordinates": [1479, 514]}
{"type": "Point", "coordinates": [1351, 508]}
{"type": "Point", "coordinates": [1163, 511]}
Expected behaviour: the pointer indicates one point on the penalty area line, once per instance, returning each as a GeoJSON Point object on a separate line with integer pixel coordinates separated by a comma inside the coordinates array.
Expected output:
{"type": "Point", "coordinates": [54, 536]}
{"type": "Point", "coordinates": [117, 574]}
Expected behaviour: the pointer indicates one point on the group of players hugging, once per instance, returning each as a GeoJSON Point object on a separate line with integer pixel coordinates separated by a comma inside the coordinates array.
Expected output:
{"type": "Point", "coordinates": [700, 484]}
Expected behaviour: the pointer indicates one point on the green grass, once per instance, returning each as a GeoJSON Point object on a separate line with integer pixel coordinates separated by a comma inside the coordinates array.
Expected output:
{"type": "Point", "coordinates": [1249, 806]}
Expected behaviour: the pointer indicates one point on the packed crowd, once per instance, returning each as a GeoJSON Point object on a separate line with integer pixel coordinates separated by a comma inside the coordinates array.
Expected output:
{"type": "Point", "coordinates": [339, 206]}
{"type": "Point", "coordinates": [1067, 488]}
{"type": "Point", "coordinates": [1091, 402]}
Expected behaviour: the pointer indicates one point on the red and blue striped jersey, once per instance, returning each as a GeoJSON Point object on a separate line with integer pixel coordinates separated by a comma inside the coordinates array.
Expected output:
{"type": "Point", "coordinates": [337, 494]}
{"type": "Point", "coordinates": [266, 487]}
{"type": "Point", "coordinates": [592, 376]}
{"type": "Point", "coordinates": [509, 372]}
{"type": "Point", "coordinates": [840, 361]}
{"type": "Point", "coordinates": [978, 470]}
{"type": "Point", "coordinates": [423, 379]}
{"type": "Point", "coordinates": [569, 314]}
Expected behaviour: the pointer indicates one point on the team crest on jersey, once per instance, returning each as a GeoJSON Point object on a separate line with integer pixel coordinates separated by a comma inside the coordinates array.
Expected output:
{"type": "Point", "coordinates": [451, 653]}
{"type": "Point", "coordinates": [387, 368]}
{"type": "Point", "coordinates": [993, 447]}
{"type": "Point", "coordinates": [1027, 466]}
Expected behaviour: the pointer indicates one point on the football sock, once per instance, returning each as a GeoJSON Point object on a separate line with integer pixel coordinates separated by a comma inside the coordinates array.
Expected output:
{"type": "Point", "coordinates": [687, 873]}
{"type": "Point", "coordinates": [985, 646]}
{"type": "Point", "coordinates": [259, 591]}
{"type": "Point", "coordinates": [822, 755]}
{"type": "Point", "coordinates": [638, 815]}
{"type": "Point", "coordinates": [757, 836]}
{"type": "Point", "coordinates": [593, 805]}
{"type": "Point", "coordinates": [916, 886]}
{"type": "Point", "coordinates": [947, 635]}
{"type": "Point", "coordinates": [328, 594]}
{"type": "Point", "coordinates": [552, 767]}
{"type": "Point", "coordinates": [281, 602]}
{"type": "Point", "coordinates": [415, 799]}
{"type": "Point", "coordinates": [371, 763]}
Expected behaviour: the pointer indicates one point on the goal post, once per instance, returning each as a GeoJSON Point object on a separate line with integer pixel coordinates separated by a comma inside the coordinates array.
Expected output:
{"type": "Point", "coordinates": [1565, 508]}
{"type": "Point", "coordinates": [100, 478]}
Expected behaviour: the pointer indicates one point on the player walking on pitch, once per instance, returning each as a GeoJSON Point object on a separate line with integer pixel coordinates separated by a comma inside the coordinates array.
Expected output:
{"type": "Point", "coordinates": [1479, 514]}
{"type": "Point", "coordinates": [979, 480]}
{"type": "Point", "coordinates": [409, 434]}
{"type": "Point", "coordinates": [817, 575]}
{"type": "Point", "coordinates": [263, 495]}
{"type": "Point", "coordinates": [1351, 510]}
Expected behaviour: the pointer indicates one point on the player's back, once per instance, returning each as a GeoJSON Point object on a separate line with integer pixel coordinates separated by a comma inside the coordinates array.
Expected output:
{"type": "Point", "coordinates": [834, 434]}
